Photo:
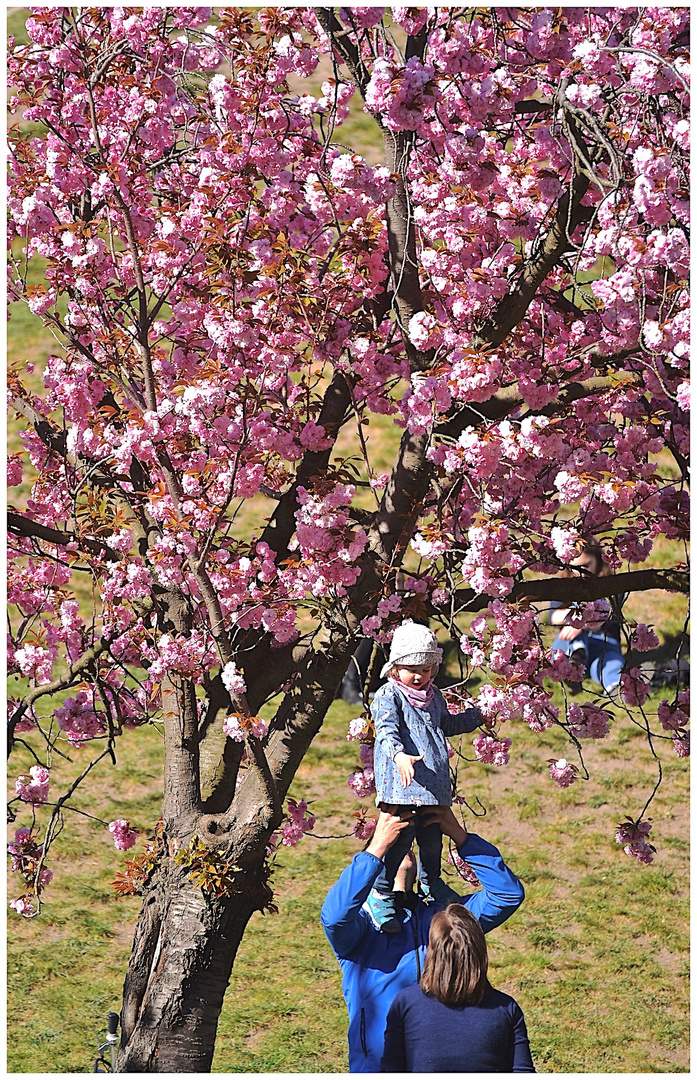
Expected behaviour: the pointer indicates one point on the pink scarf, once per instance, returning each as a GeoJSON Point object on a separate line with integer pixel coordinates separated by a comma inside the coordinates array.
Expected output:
{"type": "Point", "coordinates": [420, 699]}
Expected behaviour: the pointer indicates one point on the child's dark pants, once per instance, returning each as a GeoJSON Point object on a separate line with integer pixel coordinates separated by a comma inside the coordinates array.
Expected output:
{"type": "Point", "coordinates": [430, 841]}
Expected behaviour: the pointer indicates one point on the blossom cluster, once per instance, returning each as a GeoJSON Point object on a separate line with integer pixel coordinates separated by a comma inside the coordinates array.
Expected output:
{"type": "Point", "coordinates": [300, 822]}
{"type": "Point", "coordinates": [34, 791]}
{"type": "Point", "coordinates": [237, 727]}
{"type": "Point", "coordinates": [124, 835]}
{"type": "Point", "coordinates": [490, 750]}
{"type": "Point", "coordinates": [362, 781]}
{"type": "Point", "coordinates": [27, 857]}
{"type": "Point", "coordinates": [633, 835]}
{"type": "Point", "coordinates": [563, 772]}
{"type": "Point", "coordinates": [463, 868]}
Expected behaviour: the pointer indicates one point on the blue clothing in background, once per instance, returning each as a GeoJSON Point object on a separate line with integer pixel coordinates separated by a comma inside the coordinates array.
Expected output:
{"type": "Point", "coordinates": [424, 1035]}
{"type": "Point", "coordinates": [604, 659]}
{"type": "Point", "coordinates": [376, 966]}
{"type": "Point", "coordinates": [400, 727]}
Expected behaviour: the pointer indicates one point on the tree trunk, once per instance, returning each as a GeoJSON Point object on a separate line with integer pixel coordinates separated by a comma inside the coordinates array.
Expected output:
{"type": "Point", "coordinates": [185, 945]}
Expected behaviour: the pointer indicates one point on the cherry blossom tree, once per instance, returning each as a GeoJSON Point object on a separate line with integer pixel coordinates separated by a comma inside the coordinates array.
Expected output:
{"type": "Point", "coordinates": [233, 291]}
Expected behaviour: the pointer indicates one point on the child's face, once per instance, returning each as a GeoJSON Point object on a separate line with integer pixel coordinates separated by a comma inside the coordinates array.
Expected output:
{"type": "Point", "coordinates": [418, 676]}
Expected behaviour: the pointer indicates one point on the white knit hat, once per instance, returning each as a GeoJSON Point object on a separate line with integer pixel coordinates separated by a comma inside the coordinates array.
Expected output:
{"type": "Point", "coordinates": [413, 644]}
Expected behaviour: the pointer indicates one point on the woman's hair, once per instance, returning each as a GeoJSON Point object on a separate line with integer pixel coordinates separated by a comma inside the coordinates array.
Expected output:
{"type": "Point", "coordinates": [455, 969]}
{"type": "Point", "coordinates": [595, 550]}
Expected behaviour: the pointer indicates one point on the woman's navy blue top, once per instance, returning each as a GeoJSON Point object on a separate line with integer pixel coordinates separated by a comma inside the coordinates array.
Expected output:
{"type": "Point", "coordinates": [423, 1035]}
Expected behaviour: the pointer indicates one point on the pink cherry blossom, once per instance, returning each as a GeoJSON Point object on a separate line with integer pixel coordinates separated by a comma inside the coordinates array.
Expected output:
{"type": "Point", "coordinates": [588, 722]}
{"type": "Point", "coordinates": [562, 772]}
{"type": "Point", "coordinates": [635, 689]}
{"type": "Point", "coordinates": [300, 821]}
{"type": "Point", "coordinates": [36, 790]}
{"type": "Point", "coordinates": [233, 680]}
{"type": "Point", "coordinates": [366, 755]}
{"type": "Point", "coordinates": [358, 729]}
{"type": "Point", "coordinates": [463, 868]}
{"type": "Point", "coordinates": [644, 638]}
{"type": "Point", "coordinates": [633, 835]}
{"type": "Point", "coordinates": [78, 718]}
{"type": "Point", "coordinates": [364, 827]}
{"type": "Point", "coordinates": [491, 751]}
{"type": "Point", "coordinates": [362, 783]}
{"type": "Point", "coordinates": [124, 835]}
{"type": "Point", "coordinates": [673, 716]}
{"type": "Point", "coordinates": [681, 743]}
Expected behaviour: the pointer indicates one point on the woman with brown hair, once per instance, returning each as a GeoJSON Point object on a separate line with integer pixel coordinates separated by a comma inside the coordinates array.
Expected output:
{"type": "Point", "coordinates": [454, 1020]}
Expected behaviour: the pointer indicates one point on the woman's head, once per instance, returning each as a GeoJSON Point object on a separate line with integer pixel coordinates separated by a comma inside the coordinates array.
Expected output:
{"type": "Point", "coordinates": [456, 965]}
{"type": "Point", "coordinates": [588, 561]}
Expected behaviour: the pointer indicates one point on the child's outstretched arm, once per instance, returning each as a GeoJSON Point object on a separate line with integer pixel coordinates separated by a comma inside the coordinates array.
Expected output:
{"type": "Point", "coordinates": [459, 723]}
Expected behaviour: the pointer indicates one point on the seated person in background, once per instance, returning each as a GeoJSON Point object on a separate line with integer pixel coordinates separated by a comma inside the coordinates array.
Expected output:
{"type": "Point", "coordinates": [598, 649]}
{"type": "Point", "coordinates": [454, 1020]}
{"type": "Point", "coordinates": [376, 966]}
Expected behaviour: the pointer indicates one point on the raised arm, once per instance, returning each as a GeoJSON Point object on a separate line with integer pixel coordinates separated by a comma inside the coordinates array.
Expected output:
{"type": "Point", "coordinates": [459, 723]}
{"type": "Point", "coordinates": [502, 893]}
{"type": "Point", "coordinates": [341, 916]}
{"type": "Point", "coordinates": [341, 911]}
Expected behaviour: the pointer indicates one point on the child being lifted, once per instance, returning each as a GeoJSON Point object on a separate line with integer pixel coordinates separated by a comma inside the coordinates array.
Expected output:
{"type": "Point", "coordinates": [411, 763]}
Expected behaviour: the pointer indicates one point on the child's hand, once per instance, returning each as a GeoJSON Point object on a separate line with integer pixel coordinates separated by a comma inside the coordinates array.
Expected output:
{"type": "Point", "coordinates": [405, 765]}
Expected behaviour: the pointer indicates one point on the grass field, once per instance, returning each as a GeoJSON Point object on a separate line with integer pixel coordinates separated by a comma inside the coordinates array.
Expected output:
{"type": "Point", "coordinates": [597, 956]}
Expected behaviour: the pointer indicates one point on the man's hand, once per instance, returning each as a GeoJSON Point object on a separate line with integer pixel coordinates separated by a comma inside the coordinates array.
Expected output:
{"type": "Point", "coordinates": [569, 633]}
{"type": "Point", "coordinates": [405, 765]}
{"type": "Point", "coordinates": [387, 830]}
{"type": "Point", "coordinates": [450, 826]}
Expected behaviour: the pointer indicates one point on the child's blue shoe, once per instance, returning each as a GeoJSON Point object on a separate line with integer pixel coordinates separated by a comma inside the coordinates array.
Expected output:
{"type": "Point", "coordinates": [439, 892]}
{"type": "Point", "coordinates": [382, 911]}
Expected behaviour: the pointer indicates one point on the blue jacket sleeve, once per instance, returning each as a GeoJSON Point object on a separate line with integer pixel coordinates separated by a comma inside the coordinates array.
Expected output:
{"type": "Point", "coordinates": [385, 713]}
{"type": "Point", "coordinates": [341, 912]}
{"type": "Point", "coordinates": [394, 1058]}
{"type": "Point", "coordinates": [522, 1058]}
{"type": "Point", "coordinates": [502, 893]}
{"type": "Point", "coordinates": [458, 723]}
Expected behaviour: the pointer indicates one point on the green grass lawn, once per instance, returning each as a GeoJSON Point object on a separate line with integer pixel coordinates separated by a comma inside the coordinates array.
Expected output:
{"type": "Point", "coordinates": [597, 956]}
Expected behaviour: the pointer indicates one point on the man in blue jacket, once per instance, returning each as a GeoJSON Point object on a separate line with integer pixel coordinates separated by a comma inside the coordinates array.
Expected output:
{"type": "Point", "coordinates": [375, 966]}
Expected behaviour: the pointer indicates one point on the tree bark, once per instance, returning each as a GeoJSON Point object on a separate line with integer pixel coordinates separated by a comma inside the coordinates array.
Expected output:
{"type": "Point", "coordinates": [185, 945]}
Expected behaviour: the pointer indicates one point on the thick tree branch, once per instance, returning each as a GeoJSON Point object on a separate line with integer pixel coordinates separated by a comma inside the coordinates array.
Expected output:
{"type": "Point", "coordinates": [23, 526]}
{"type": "Point", "coordinates": [52, 439]}
{"type": "Point", "coordinates": [544, 257]}
{"type": "Point", "coordinates": [335, 407]}
{"type": "Point", "coordinates": [580, 589]}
